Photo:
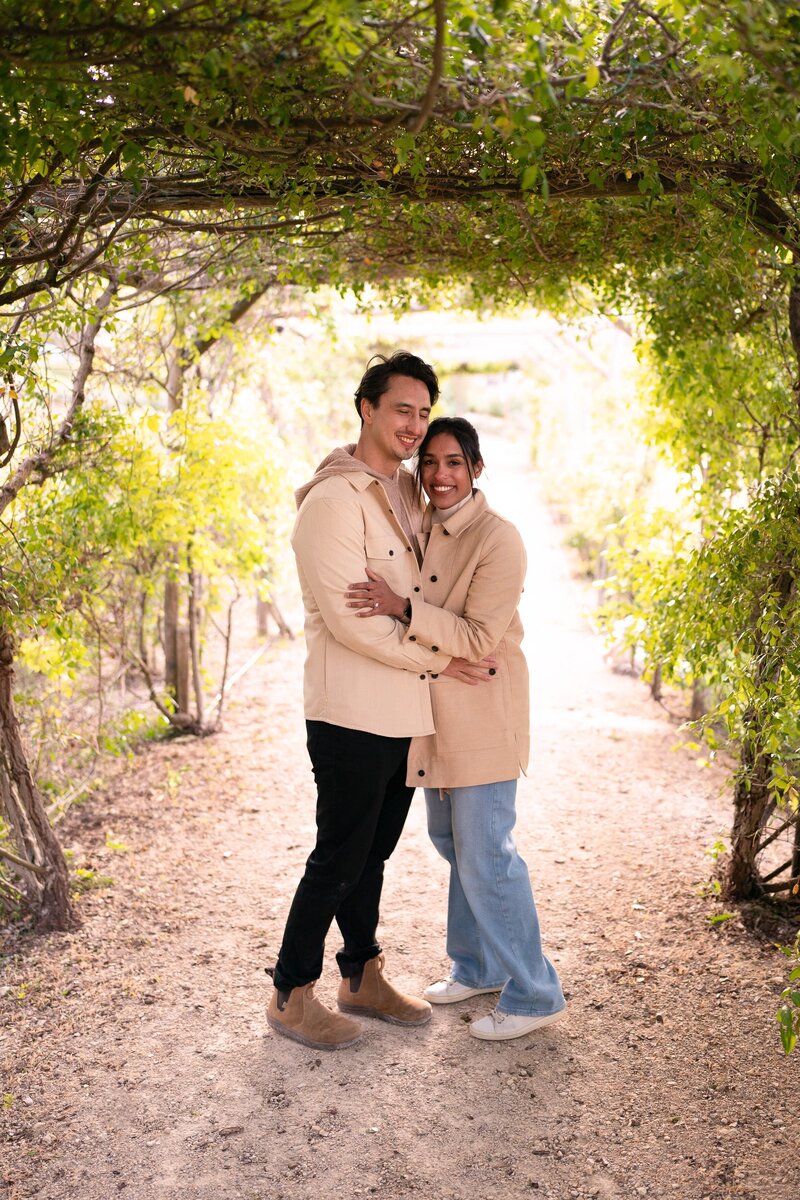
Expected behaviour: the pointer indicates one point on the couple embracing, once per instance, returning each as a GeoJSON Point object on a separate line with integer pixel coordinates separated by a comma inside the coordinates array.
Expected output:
{"type": "Point", "coordinates": [414, 676]}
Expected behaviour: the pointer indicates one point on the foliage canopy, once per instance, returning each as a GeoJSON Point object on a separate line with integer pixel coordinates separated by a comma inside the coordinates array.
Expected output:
{"type": "Point", "coordinates": [645, 156]}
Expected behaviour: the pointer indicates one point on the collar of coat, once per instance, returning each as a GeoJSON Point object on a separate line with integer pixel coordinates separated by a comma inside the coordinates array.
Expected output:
{"type": "Point", "coordinates": [360, 480]}
{"type": "Point", "coordinates": [460, 520]}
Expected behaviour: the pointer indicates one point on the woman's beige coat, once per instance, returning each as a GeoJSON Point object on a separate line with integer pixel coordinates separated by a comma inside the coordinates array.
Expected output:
{"type": "Point", "coordinates": [472, 573]}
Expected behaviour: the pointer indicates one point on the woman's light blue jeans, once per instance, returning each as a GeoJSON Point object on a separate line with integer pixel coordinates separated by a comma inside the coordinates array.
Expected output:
{"type": "Point", "coordinates": [492, 927]}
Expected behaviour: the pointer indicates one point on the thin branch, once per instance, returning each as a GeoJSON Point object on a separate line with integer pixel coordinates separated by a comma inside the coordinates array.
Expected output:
{"type": "Point", "coordinates": [60, 807]}
{"type": "Point", "coordinates": [168, 25]}
{"type": "Point", "coordinates": [13, 893]}
{"type": "Point", "coordinates": [389, 33]}
{"type": "Point", "coordinates": [35, 463]}
{"type": "Point", "coordinates": [194, 639]}
{"type": "Point", "coordinates": [630, 7]}
{"type": "Point", "coordinates": [21, 862]}
{"type": "Point", "coordinates": [234, 314]}
{"type": "Point", "coordinates": [220, 699]}
{"type": "Point", "coordinates": [180, 721]}
{"type": "Point", "coordinates": [251, 662]}
{"type": "Point", "coordinates": [775, 834]}
{"type": "Point", "coordinates": [26, 192]}
{"type": "Point", "coordinates": [787, 886]}
{"type": "Point", "coordinates": [429, 99]}
{"type": "Point", "coordinates": [777, 871]}
{"type": "Point", "coordinates": [7, 453]}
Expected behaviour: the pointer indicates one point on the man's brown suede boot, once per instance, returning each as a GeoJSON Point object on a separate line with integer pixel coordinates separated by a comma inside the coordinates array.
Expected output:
{"type": "Point", "coordinates": [300, 1016]}
{"type": "Point", "coordinates": [371, 995]}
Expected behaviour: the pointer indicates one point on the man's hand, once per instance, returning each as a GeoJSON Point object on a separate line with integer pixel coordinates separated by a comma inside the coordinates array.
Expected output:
{"type": "Point", "coordinates": [375, 598]}
{"type": "Point", "coordinates": [471, 673]}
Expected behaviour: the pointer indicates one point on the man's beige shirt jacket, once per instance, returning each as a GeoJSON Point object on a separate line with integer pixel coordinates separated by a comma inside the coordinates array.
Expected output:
{"type": "Point", "coordinates": [359, 672]}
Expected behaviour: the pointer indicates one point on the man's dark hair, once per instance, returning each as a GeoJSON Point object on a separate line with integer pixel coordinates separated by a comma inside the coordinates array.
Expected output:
{"type": "Point", "coordinates": [465, 434]}
{"type": "Point", "coordinates": [376, 378]}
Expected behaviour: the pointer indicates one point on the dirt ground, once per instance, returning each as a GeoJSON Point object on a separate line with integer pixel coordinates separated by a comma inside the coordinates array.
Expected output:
{"type": "Point", "coordinates": [135, 1055]}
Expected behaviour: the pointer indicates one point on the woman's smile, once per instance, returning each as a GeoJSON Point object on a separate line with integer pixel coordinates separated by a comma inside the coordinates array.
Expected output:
{"type": "Point", "coordinates": [445, 472]}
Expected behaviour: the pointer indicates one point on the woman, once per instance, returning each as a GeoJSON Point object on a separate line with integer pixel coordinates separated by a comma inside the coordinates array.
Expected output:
{"type": "Point", "coordinates": [473, 571]}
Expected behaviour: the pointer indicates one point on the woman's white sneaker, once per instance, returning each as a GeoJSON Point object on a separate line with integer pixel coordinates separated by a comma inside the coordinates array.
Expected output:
{"type": "Point", "coordinates": [501, 1027]}
{"type": "Point", "coordinates": [448, 991]}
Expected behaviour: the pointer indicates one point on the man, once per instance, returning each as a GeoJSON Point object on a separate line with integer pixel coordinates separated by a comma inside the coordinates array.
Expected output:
{"type": "Point", "coordinates": [366, 695]}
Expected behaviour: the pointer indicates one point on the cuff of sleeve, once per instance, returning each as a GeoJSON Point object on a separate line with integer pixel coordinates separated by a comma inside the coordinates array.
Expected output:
{"type": "Point", "coordinates": [441, 660]}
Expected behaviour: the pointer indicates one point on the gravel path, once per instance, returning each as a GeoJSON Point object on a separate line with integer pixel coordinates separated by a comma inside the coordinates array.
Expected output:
{"type": "Point", "coordinates": [136, 1056]}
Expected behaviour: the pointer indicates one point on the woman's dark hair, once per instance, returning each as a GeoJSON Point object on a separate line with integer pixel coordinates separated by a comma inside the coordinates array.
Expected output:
{"type": "Point", "coordinates": [376, 378]}
{"type": "Point", "coordinates": [465, 434]}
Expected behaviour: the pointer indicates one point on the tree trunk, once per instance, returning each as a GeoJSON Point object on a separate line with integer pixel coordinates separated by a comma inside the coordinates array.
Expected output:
{"type": "Point", "coordinates": [171, 617]}
{"type": "Point", "coordinates": [794, 326]}
{"type": "Point", "coordinates": [41, 865]}
{"type": "Point", "coordinates": [701, 701]}
{"type": "Point", "coordinates": [266, 609]}
{"type": "Point", "coordinates": [752, 806]}
{"type": "Point", "coordinates": [262, 617]}
{"type": "Point", "coordinates": [753, 795]}
{"type": "Point", "coordinates": [181, 642]}
{"type": "Point", "coordinates": [194, 645]}
{"type": "Point", "coordinates": [45, 876]}
{"type": "Point", "coordinates": [182, 694]}
{"type": "Point", "coordinates": [176, 370]}
{"type": "Point", "coordinates": [795, 871]}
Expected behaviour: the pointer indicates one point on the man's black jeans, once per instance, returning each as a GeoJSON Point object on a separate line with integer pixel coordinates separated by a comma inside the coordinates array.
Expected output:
{"type": "Point", "coordinates": [362, 805]}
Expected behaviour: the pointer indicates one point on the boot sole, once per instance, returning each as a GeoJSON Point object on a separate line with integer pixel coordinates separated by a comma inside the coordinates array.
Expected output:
{"type": "Point", "coordinates": [356, 1011]}
{"type": "Point", "coordinates": [286, 1032]}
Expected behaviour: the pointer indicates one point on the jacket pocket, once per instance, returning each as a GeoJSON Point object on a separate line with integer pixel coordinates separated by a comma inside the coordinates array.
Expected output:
{"type": "Point", "coordinates": [387, 557]}
{"type": "Point", "coordinates": [384, 549]}
{"type": "Point", "coordinates": [469, 719]}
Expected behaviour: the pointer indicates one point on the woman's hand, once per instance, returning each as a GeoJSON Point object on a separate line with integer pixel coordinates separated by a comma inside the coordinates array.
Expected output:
{"type": "Point", "coordinates": [375, 598]}
{"type": "Point", "coordinates": [472, 673]}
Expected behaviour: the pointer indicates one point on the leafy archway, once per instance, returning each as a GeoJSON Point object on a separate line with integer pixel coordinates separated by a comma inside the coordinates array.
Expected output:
{"type": "Point", "coordinates": [648, 153]}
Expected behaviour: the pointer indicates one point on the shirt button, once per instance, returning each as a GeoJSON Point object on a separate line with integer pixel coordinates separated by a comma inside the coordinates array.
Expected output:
{"type": "Point", "coordinates": [434, 578]}
{"type": "Point", "coordinates": [434, 675]}
{"type": "Point", "coordinates": [412, 637]}
{"type": "Point", "coordinates": [435, 649]}
{"type": "Point", "coordinates": [446, 532]}
{"type": "Point", "coordinates": [422, 676]}
{"type": "Point", "coordinates": [416, 589]}
{"type": "Point", "coordinates": [408, 549]}
{"type": "Point", "coordinates": [391, 552]}
{"type": "Point", "coordinates": [420, 773]}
